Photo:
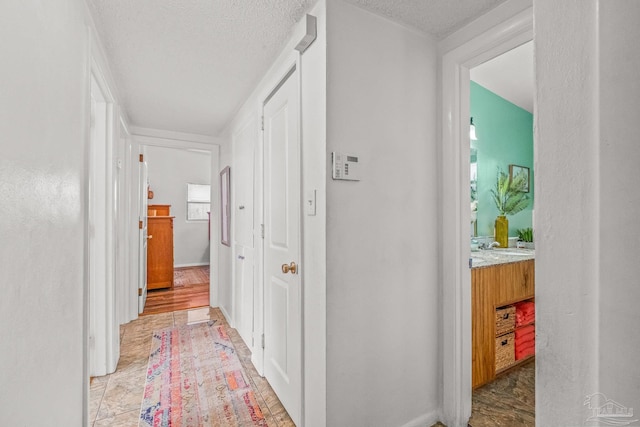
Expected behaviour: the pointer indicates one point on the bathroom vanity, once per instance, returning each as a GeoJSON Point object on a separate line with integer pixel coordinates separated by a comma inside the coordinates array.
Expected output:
{"type": "Point", "coordinates": [500, 279]}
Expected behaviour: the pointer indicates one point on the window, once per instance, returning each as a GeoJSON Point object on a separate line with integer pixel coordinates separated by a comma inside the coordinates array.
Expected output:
{"type": "Point", "coordinates": [198, 202]}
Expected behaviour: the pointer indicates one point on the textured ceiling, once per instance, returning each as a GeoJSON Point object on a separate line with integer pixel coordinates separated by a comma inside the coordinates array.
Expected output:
{"type": "Point", "coordinates": [509, 75]}
{"type": "Point", "coordinates": [188, 65]}
{"type": "Point", "coordinates": [436, 17]}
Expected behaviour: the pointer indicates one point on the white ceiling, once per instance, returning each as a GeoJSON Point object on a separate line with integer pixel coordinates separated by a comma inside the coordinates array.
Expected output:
{"type": "Point", "coordinates": [436, 17]}
{"type": "Point", "coordinates": [509, 75]}
{"type": "Point", "coordinates": [187, 66]}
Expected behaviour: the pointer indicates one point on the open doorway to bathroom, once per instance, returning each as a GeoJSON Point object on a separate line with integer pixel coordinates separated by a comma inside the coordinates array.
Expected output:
{"type": "Point", "coordinates": [502, 276]}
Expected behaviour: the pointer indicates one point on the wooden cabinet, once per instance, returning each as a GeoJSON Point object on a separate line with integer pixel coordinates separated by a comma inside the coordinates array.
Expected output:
{"type": "Point", "coordinates": [159, 248]}
{"type": "Point", "coordinates": [493, 287]}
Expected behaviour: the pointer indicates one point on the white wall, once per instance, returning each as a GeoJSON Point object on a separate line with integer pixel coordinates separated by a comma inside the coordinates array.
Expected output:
{"type": "Point", "coordinates": [586, 272]}
{"type": "Point", "coordinates": [382, 255]}
{"type": "Point", "coordinates": [314, 250]}
{"type": "Point", "coordinates": [619, 237]}
{"type": "Point", "coordinates": [170, 169]}
{"type": "Point", "coordinates": [44, 111]}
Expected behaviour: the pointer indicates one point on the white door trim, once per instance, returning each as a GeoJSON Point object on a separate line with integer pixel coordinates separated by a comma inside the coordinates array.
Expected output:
{"type": "Point", "coordinates": [151, 137]}
{"type": "Point", "coordinates": [143, 231]}
{"type": "Point", "coordinates": [104, 343]}
{"type": "Point", "coordinates": [510, 32]}
{"type": "Point", "coordinates": [127, 302]}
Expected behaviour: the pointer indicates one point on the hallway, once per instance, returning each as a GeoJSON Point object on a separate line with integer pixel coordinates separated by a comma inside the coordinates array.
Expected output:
{"type": "Point", "coordinates": [115, 399]}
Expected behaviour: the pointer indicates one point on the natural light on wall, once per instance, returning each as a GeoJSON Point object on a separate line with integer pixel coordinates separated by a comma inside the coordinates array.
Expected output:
{"type": "Point", "coordinates": [198, 202]}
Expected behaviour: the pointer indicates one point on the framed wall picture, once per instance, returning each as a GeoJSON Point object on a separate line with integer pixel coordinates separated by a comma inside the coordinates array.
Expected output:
{"type": "Point", "coordinates": [225, 207]}
{"type": "Point", "coordinates": [514, 170]}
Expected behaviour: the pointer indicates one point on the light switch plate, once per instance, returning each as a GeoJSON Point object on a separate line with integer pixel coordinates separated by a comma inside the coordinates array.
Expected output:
{"type": "Point", "coordinates": [310, 203]}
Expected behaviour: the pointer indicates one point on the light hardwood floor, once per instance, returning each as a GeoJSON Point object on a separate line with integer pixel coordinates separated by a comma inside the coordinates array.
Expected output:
{"type": "Point", "coordinates": [190, 290]}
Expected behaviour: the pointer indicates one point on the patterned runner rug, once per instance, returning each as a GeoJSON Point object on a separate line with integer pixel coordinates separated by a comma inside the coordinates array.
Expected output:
{"type": "Point", "coordinates": [194, 378]}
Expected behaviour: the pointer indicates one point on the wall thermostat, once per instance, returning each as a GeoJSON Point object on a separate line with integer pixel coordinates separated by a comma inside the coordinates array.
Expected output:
{"type": "Point", "coordinates": [345, 167]}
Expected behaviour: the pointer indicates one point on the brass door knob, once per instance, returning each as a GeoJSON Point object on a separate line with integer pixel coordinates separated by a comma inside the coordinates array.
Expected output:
{"type": "Point", "coordinates": [290, 268]}
{"type": "Point", "coordinates": [149, 236]}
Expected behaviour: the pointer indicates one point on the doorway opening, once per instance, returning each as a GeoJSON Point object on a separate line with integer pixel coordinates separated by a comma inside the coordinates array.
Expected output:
{"type": "Point", "coordinates": [502, 279]}
{"type": "Point", "coordinates": [506, 31]}
{"type": "Point", "coordinates": [178, 217]}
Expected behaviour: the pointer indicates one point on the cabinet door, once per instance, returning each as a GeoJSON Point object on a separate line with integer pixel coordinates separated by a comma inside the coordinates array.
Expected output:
{"type": "Point", "coordinates": [482, 326]}
{"type": "Point", "coordinates": [160, 253]}
{"type": "Point", "coordinates": [515, 282]}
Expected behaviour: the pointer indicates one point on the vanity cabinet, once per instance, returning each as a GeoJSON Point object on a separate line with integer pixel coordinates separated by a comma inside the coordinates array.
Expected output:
{"type": "Point", "coordinates": [495, 287]}
{"type": "Point", "coordinates": [159, 247]}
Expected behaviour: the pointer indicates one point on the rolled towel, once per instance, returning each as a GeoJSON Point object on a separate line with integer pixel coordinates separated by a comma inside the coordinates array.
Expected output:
{"type": "Point", "coordinates": [525, 312]}
{"type": "Point", "coordinates": [525, 331]}
{"type": "Point", "coordinates": [524, 354]}
{"type": "Point", "coordinates": [525, 344]}
{"type": "Point", "coordinates": [526, 306]}
{"type": "Point", "coordinates": [526, 337]}
{"type": "Point", "coordinates": [525, 341]}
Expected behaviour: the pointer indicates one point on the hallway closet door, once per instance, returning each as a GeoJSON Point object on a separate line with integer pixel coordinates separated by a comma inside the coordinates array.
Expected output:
{"type": "Point", "coordinates": [283, 317]}
{"type": "Point", "coordinates": [244, 142]}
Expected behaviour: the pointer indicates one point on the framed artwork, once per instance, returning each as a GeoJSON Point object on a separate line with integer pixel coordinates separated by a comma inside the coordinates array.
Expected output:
{"type": "Point", "coordinates": [514, 170]}
{"type": "Point", "coordinates": [225, 207]}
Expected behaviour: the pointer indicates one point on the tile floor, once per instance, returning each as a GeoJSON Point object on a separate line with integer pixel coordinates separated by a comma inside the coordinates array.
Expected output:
{"type": "Point", "coordinates": [115, 399]}
{"type": "Point", "coordinates": [507, 401]}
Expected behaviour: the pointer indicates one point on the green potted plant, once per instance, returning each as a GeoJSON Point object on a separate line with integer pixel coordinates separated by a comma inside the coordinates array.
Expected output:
{"type": "Point", "coordinates": [525, 236]}
{"type": "Point", "coordinates": [510, 198]}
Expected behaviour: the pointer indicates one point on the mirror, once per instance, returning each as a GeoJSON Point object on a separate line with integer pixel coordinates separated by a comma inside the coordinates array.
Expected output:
{"type": "Point", "coordinates": [474, 192]}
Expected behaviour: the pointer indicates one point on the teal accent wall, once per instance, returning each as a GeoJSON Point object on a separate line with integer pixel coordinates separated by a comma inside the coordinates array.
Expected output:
{"type": "Point", "coordinates": [505, 137]}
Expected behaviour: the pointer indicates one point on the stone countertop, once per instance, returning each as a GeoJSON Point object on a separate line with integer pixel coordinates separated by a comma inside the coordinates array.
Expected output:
{"type": "Point", "coordinates": [487, 258]}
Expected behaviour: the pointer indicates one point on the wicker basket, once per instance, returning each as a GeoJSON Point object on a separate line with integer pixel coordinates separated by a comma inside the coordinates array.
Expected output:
{"type": "Point", "coordinates": [505, 351]}
{"type": "Point", "coordinates": [505, 319]}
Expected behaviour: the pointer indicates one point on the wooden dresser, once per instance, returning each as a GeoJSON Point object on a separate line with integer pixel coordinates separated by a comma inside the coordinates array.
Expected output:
{"type": "Point", "coordinates": [160, 247]}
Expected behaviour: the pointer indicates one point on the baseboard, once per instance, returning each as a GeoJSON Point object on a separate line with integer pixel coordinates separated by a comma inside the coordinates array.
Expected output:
{"type": "Point", "coordinates": [197, 264]}
{"type": "Point", "coordinates": [226, 315]}
{"type": "Point", "coordinates": [424, 420]}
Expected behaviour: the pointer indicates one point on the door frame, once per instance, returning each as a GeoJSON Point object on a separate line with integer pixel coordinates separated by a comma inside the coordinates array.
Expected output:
{"type": "Point", "coordinates": [126, 303]}
{"type": "Point", "coordinates": [150, 137]}
{"type": "Point", "coordinates": [143, 230]}
{"type": "Point", "coordinates": [493, 34]}
{"type": "Point", "coordinates": [104, 343]}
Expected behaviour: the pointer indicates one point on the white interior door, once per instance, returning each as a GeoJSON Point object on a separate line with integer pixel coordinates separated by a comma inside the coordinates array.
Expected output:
{"type": "Point", "coordinates": [244, 293]}
{"type": "Point", "coordinates": [143, 236]}
{"type": "Point", "coordinates": [244, 230]}
{"type": "Point", "coordinates": [104, 337]}
{"type": "Point", "coordinates": [282, 293]}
